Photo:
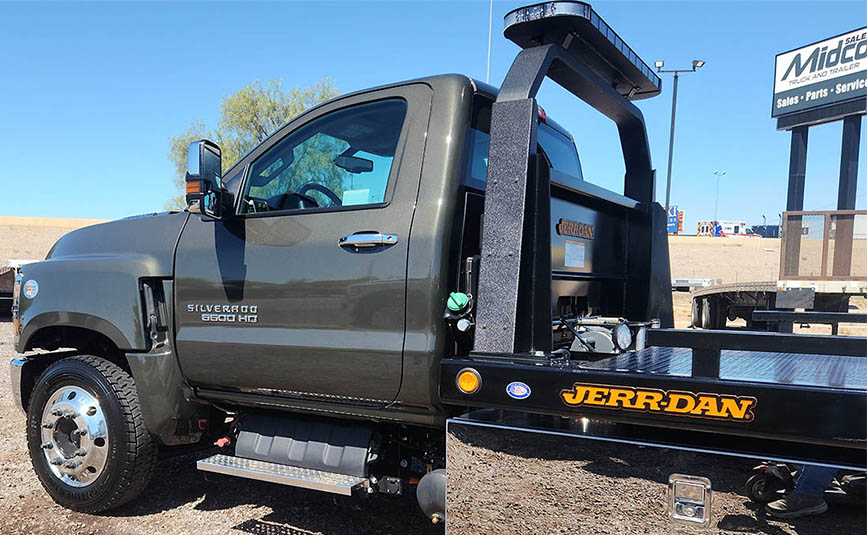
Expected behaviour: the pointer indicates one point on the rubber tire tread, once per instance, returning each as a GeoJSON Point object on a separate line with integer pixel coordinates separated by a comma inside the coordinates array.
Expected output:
{"type": "Point", "coordinates": [141, 449]}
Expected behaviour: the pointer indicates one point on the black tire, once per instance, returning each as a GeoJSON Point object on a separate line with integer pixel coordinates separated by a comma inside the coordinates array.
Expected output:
{"type": "Point", "coordinates": [695, 313]}
{"type": "Point", "coordinates": [132, 451]}
{"type": "Point", "coordinates": [763, 488]}
{"type": "Point", "coordinates": [706, 320]}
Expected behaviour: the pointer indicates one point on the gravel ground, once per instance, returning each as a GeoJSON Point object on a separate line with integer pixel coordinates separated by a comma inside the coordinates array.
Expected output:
{"type": "Point", "coordinates": [180, 501]}
{"type": "Point", "coordinates": [514, 482]}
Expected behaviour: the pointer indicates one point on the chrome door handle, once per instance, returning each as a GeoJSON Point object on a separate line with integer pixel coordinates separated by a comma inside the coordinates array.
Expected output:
{"type": "Point", "coordinates": [367, 239]}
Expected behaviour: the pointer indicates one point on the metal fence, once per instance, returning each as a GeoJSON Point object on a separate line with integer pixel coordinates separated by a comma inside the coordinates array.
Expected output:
{"type": "Point", "coordinates": [824, 245]}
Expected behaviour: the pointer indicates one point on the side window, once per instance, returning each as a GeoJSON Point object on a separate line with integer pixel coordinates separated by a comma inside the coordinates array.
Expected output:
{"type": "Point", "coordinates": [341, 159]}
{"type": "Point", "coordinates": [558, 148]}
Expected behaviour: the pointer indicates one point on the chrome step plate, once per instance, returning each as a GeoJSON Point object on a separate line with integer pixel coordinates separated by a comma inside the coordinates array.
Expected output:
{"type": "Point", "coordinates": [282, 474]}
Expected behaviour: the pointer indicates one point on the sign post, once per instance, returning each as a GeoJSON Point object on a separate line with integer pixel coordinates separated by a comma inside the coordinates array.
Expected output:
{"type": "Point", "coordinates": [672, 220]}
{"type": "Point", "coordinates": [819, 83]}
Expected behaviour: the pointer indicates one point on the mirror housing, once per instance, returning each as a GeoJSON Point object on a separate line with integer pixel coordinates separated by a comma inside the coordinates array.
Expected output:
{"type": "Point", "coordinates": [204, 169]}
{"type": "Point", "coordinates": [354, 164]}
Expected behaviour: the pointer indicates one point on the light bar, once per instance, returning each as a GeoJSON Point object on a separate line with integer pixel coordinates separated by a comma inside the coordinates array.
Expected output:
{"type": "Point", "coordinates": [578, 28]}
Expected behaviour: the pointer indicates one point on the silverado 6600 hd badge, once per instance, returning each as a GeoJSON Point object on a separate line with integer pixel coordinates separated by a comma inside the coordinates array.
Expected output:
{"type": "Point", "coordinates": [666, 402]}
{"type": "Point", "coordinates": [226, 313]}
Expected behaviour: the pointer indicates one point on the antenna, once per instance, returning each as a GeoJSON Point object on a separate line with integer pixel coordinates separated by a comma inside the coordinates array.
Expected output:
{"type": "Point", "coordinates": [490, 23]}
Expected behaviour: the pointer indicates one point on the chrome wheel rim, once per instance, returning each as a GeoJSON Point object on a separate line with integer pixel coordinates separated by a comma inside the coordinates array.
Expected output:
{"type": "Point", "coordinates": [74, 435]}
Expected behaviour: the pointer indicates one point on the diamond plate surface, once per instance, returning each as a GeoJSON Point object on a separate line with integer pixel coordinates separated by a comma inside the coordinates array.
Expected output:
{"type": "Point", "coordinates": [281, 473]}
{"type": "Point", "coordinates": [653, 360]}
{"type": "Point", "coordinates": [753, 366]}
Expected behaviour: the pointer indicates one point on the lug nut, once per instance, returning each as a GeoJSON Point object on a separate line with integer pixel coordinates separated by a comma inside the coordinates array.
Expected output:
{"type": "Point", "coordinates": [81, 452]}
{"type": "Point", "coordinates": [435, 518]}
{"type": "Point", "coordinates": [57, 412]}
{"type": "Point", "coordinates": [80, 432]}
{"type": "Point", "coordinates": [47, 425]}
{"type": "Point", "coordinates": [72, 464]}
{"type": "Point", "coordinates": [47, 445]}
{"type": "Point", "coordinates": [56, 462]}
{"type": "Point", "coordinates": [91, 411]}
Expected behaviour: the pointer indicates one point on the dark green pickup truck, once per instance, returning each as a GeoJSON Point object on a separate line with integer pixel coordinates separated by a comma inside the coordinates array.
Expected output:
{"type": "Point", "coordinates": [328, 303]}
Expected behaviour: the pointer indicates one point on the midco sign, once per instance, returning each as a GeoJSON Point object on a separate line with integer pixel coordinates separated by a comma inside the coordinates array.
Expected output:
{"type": "Point", "coordinates": [828, 72]}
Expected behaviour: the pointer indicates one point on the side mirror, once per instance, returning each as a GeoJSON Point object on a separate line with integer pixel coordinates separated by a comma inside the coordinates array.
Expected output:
{"type": "Point", "coordinates": [204, 167]}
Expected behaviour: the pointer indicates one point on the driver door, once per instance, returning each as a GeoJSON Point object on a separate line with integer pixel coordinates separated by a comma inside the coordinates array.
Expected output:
{"type": "Point", "coordinates": [302, 293]}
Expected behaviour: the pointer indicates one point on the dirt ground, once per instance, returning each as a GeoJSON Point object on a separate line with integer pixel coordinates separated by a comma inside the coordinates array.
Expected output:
{"type": "Point", "coordinates": [30, 238]}
{"type": "Point", "coordinates": [584, 486]}
{"type": "Point", "coordinates": [180, 500]}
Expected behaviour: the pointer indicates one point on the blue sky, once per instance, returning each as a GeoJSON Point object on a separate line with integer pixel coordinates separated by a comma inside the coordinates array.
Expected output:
{"type": "Point", "coordinates": [91, 93]}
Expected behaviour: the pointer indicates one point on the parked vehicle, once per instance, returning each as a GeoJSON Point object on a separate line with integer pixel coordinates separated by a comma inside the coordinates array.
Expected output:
{"type": "Point", "coordinates": [726, 229]}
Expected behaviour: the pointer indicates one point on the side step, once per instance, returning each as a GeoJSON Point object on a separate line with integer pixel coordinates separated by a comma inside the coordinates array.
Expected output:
{"type": "Point", "coordinates": [283, 474]}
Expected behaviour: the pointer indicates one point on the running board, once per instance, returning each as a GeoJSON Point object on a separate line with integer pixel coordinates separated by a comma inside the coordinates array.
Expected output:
{"type": "Point", "coordinates": [283, 474]}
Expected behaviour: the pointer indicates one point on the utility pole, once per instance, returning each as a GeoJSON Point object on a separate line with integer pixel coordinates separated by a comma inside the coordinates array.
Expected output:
{"type": "Point", "coordinates": [718, 174]}
{"type": "Point", "coordinates": [696, 64]}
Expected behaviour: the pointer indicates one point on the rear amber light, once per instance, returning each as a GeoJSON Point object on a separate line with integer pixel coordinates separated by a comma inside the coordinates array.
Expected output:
{"type": "Point", "coordinates": [469, 381]}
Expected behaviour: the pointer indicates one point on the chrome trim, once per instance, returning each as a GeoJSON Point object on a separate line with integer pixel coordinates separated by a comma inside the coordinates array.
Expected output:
{"type": "Point", "coordinates": [283, 474]}
{"type": "Point", "coordinates": [16, 366]}
{"type": "Point", "coordinates": [367, 239]}
{"type": "Point", "coordinates": [75, 439]}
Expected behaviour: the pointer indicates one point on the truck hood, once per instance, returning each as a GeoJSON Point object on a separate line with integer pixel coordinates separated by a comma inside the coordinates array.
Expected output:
{"type": "Point", "coordinates": [149, 237]}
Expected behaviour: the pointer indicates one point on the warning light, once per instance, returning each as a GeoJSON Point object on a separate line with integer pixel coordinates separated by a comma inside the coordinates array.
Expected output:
{"type": "Point", "coordinates": [194, 186]}
{"type": "Point", "coordinates": [469, 381]}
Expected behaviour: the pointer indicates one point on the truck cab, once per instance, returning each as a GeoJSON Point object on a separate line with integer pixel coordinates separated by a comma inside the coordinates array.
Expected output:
{"type": "Point", "coordinates": [312, 279]}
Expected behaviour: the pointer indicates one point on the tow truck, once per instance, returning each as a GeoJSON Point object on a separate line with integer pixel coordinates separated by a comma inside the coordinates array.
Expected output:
{"type": "Point", "coordinates": [404, 273]}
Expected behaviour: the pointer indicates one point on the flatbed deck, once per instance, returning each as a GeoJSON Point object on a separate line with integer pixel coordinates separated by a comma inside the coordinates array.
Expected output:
{"type": "Point", "coordinates": [740, 400]}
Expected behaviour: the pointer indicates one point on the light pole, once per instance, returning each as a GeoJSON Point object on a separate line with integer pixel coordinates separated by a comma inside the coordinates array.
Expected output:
{"type": "Point", "coordinates": [718, 174]}
{"type": "Point", "coordinates": [696, 64]}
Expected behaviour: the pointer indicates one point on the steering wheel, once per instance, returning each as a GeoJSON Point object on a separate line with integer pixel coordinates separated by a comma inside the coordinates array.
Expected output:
{"type": "Point", "coordinates": [335, 200]}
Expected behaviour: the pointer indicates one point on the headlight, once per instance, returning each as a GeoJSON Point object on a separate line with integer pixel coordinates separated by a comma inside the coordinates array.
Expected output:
{"type": "Point", "coordinates": [623, 336]}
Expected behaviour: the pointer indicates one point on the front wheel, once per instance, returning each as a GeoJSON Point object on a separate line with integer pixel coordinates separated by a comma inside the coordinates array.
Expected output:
{"type": "Point", "coordinates": [87, 440]}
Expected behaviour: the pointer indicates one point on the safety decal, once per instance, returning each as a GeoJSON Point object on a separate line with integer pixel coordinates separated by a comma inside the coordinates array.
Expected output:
{"type": "Point", "coordinates": [30, 289]}
{"type": "Point", "coordinates": [666, 402]}
{"type": "Point", "coordinates": [518, 390]}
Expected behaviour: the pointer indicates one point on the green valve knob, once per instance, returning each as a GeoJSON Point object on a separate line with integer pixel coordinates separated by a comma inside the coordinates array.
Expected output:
{"type": "Point", "coordinates": [458, 301]}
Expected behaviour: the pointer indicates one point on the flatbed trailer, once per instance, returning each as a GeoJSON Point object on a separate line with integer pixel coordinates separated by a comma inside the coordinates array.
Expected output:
{"type": "Point", "coordinates": [823, 257]}
{"type": "Point", "coordinates": [789, 396]}
{"type": "Point", "coordinates": [715, 395]}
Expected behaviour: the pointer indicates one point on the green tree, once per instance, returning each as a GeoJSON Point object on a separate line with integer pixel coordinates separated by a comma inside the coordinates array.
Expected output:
{"type": "Point", "coordinates": [247, 117]}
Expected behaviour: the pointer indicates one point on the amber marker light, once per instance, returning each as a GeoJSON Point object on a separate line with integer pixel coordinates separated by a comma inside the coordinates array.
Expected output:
{"type": "Point", "coordinates": [194, 186]}
{"type": "Point", "coordinates": [469, 381]}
